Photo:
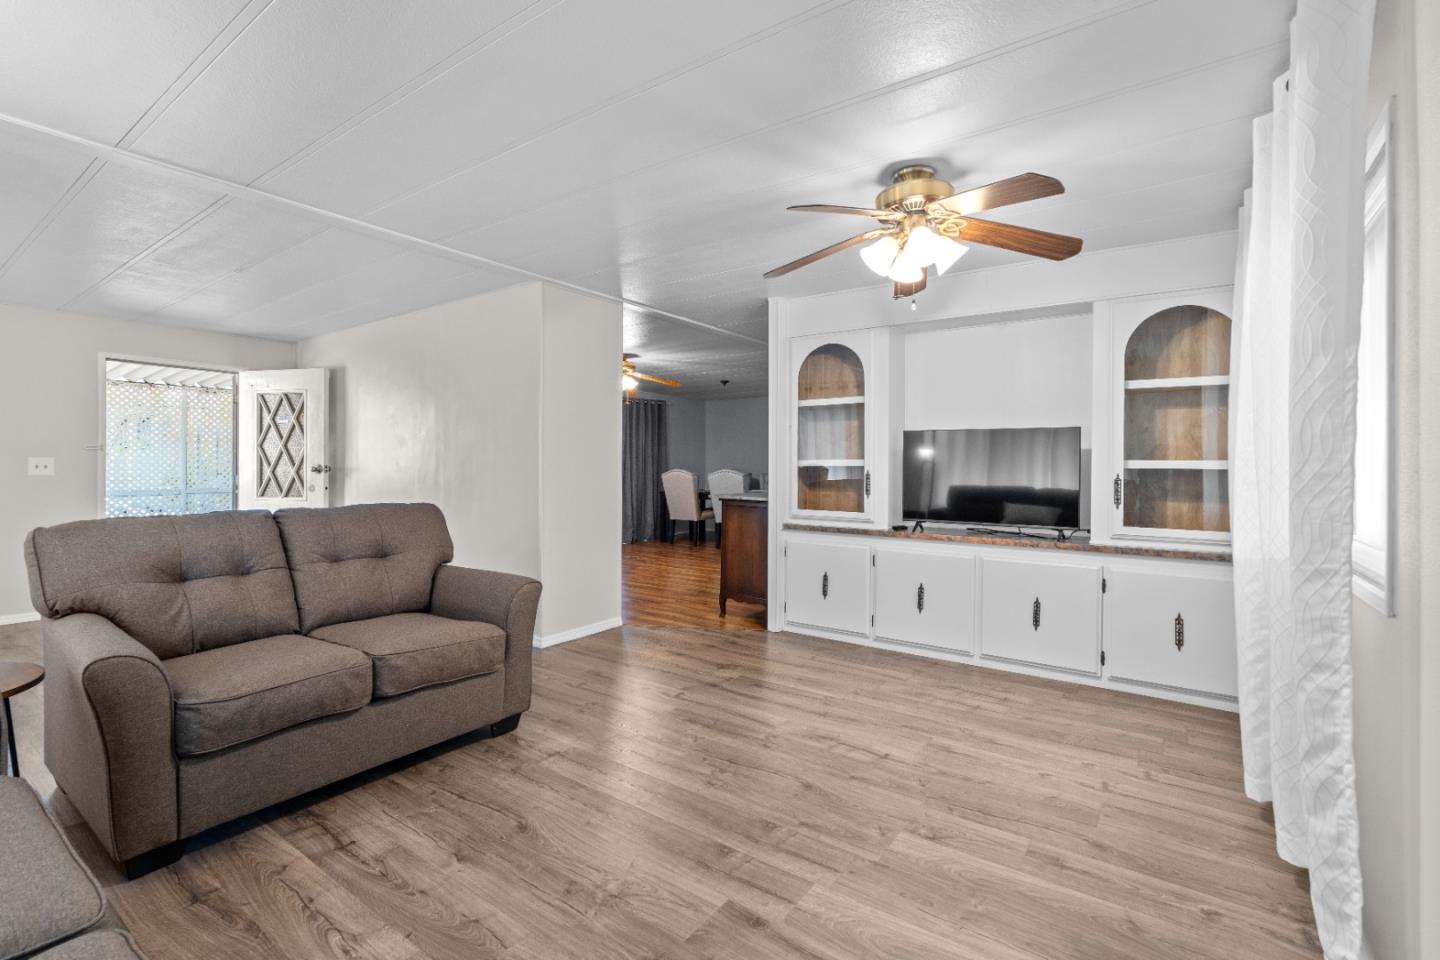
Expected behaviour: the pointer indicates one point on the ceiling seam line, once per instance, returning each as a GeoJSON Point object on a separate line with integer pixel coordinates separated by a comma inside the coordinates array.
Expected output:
{"type": "Point", "coordinates": [626, 95]}
{"type": "Point", "coordinates": [149, 249]}
{"type": "Point", "coordinates": [171, 93]}
{"type": "Point", "coordinates": [81, 181]}
{"type": "Point", "coordinates": [129, 157]}
{"type": "Point", "coordinates": [421, 81]}
{"type": "Point", "coordinates": [896, 87]}
{"type": "Point", "coordinates": [960, 138]}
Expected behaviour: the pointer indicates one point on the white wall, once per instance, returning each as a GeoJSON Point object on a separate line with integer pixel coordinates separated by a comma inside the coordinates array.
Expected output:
{"type": "Point", "coordinates": [442, 405]}
{"type": "Point", "coordinates": [737, 435]}
{"type": "Point", "coordinates": [1023, 373]}
{"type": "Point", "coordinates": [684, 433]}
{"type": "Point", "coordinates": [51, 397]}
{"type": "Point", "coordinates": [580, 464]}
{"type": "Point", "coordinates": [1396, 688]}
{"type": "Point", "coordinates": [504, 410]}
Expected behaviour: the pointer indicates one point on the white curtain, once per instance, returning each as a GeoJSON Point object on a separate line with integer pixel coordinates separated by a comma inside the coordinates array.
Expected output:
{"type": "Point", "coordinates": [1298, 295]}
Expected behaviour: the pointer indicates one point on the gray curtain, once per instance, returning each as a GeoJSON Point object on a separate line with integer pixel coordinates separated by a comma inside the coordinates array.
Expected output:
{"type": "Point", "coordinates": [646, 456]}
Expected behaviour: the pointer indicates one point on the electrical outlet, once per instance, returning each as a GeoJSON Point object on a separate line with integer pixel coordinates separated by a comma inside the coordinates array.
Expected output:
{"type": "Point", "coordinates": [41, 467]}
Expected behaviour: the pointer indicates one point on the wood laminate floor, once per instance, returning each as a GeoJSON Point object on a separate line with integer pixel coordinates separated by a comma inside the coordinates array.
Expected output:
{"type": "Point", "coordinates": [687, 793]}
{"type": "Point", "coordinates": [678, 585]}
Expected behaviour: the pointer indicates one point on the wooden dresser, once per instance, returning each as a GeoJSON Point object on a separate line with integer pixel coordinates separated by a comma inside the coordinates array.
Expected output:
{"type": "Point", "coordinates": [744, 571]}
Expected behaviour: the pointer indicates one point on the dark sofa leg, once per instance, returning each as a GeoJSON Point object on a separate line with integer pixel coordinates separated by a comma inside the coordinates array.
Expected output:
{"type": "Point", "coordinates": [157, 859]}
{"type": "Point", "coordinates": [501, 727]}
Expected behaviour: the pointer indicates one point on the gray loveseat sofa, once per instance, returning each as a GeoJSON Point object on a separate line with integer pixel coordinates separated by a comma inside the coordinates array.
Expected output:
{"type": "Point", "coordinates": [200, 668]}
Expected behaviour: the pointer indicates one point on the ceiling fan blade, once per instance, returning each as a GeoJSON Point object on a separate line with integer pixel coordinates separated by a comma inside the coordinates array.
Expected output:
{"type": "Point", "coordinates": [660, 380]}
{"type": "Point", "coordinates": [1037, 243]}
{"type": "Point", "coordinates": [810, 258]}
{"type": "Point", "coordinates": [853, 211]}
{"type": "Point", "coordinates": [903, 290]}
{"type": "Point", "coordinates": [1027, 186]}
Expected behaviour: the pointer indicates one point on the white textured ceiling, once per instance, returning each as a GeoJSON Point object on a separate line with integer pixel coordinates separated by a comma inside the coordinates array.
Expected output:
{"type": "Point", "coordinates": [289, 167]}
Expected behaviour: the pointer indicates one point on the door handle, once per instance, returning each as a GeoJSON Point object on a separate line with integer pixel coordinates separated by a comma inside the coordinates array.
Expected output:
{"type": "Point", "coordinates": [1179, 632]}
{"type": "Point", "coordinates": [867, 483]}
{"type": "Point", "coordinates": [1119, 490]}
{"type": "Point", "coordinates": [320, 468]}
{"type": "Point", "coordinates": [1035, 614]}
{"type": "Point", "coordinates": [920, 599]}
{"type": "Point", "coordinates": [825, 586]}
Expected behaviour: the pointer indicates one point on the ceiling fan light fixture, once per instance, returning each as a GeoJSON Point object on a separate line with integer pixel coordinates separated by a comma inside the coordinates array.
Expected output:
{"type": "Point", "coordinates": [904, 271]}
{"type": "Point", "coordinates": [947, 251]}
{"type": "Point", "coordinates": [879, 255]}
{"type": "Point", "coordinates": [628, 383]}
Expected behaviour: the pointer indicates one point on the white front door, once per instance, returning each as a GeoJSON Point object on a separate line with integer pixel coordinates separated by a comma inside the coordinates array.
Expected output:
{"type": "Point", "coordinates": [281, 443]}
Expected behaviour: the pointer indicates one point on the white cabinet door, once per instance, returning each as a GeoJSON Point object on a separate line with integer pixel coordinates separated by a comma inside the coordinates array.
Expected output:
{"type": "Point", "coordinates": [827, 585]}
{"type": "Point", "coordinates": [926, 598]}
{"type": "Point", "coordinates": [1046, 614]}
{"type": "Point", "coordinates": [1171, 630]}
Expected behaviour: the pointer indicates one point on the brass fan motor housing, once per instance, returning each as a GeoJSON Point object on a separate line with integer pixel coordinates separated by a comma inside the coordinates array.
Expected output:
{"type": "Point", "coordinates": [915, 187]}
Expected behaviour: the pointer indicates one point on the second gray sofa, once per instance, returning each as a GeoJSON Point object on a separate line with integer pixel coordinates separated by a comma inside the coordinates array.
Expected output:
{"type": "Point", "coordinates": [200, 668]}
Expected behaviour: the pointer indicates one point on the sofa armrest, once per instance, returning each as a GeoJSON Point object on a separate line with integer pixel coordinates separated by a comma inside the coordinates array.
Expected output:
{"type": "Point", "coordinates": [108, 733]}
{"type": "Point", "coordinates": [504, 599]}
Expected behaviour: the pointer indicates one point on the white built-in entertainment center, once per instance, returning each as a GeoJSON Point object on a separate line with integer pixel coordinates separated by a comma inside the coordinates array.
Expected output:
{"type": "Point", "coordinates": [1130, 344]}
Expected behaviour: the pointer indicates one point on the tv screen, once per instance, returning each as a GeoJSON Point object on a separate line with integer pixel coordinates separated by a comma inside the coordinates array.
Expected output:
{"type": "Point", "coordinates": [1027, 477]}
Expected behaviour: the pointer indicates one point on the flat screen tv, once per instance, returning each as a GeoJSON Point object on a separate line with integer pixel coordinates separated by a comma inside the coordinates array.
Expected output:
{"type": "Point", "coordinates": [1026, 477]}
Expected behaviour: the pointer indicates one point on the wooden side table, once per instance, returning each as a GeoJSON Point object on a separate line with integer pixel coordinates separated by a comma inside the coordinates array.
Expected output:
{"type": "Point", "coordinates": [16, 677]}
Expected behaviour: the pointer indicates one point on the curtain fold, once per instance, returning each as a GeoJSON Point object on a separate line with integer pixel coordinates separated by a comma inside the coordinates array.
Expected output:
{"type": "Point", "coordinates": [1292, 495]}
{"type": "Point", "coordinates": [645, 457]}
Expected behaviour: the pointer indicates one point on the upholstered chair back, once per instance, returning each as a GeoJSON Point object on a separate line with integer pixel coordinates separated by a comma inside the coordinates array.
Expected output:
{"type": "Point", "coordinates": [179, 585]}
{"type": "Point", "coordinates": [682, 496]}
{"type": "Point", "coordinates": [725, 483]}
{"type": "Point", "coordinates": [363, 561]}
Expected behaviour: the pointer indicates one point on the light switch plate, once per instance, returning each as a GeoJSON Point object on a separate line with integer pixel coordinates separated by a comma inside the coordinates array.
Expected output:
{"type": "Point", "coordinates": [41, 467]}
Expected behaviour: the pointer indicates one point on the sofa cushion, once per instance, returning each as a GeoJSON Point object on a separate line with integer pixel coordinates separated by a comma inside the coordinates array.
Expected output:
{"type": "Point", "coordinates": [245, 691]}
{"type": "Point", "coordinates": [96, 945]}
{"type": "Point", "coordinates": [179, 585]}
{"type": "Point", "coordinates": [46, 894]}
{"type": "Point", "coordinates": [368, 560]}
{"type": "Point", "coordinates": [414, 650]}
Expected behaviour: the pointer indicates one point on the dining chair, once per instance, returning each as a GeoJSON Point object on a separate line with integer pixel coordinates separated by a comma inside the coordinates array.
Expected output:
{"type": "Point", "coordinates": [724, 483]}
{"type": "Point", "coordinates": [682, 498]}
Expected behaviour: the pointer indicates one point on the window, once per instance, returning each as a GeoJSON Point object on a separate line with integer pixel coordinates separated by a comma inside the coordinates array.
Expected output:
{"type": "Point", "coordinates": [169, 440]}
{"type": "Point", "coordinates": [1374, 449]}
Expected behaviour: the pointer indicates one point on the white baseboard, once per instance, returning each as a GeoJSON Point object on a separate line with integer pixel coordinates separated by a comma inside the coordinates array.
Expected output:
{"type": "Point", "coordinates": [565, 636]}
{"type": "Point", "coordinates": [9, 618]}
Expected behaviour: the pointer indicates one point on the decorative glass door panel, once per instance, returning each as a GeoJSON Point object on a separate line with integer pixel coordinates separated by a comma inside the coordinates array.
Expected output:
{"type": "Point", "coordinates": [280, 447]}
{"type": "Point", "coordinates": [831, 475]}
{"type": "Point", "coordinates": [1173, 481]}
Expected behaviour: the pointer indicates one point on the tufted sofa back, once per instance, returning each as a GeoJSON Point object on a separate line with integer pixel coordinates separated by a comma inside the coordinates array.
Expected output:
{"type": "Point", "coordinates": [362, 561]}
{"type": "Point", "coordinates": [179, 585]}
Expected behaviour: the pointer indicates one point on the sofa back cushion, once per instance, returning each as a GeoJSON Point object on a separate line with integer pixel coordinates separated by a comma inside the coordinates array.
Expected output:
{"type": "Point", "coordinates": [179, 585]}
{"type": "Point", "coordinates": [367, 560]}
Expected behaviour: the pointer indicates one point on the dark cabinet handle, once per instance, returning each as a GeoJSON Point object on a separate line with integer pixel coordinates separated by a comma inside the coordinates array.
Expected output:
{"type": "Point", "coordinates": [867, 483]}
{"type": "Point", "coordinates": [825, 585]}
{"type": "Point", "coordinates": [920, 599]}
{"type": "Point", "coordinates": [1179, 632]}
{"type": "Point", "coordinates": [1035, 614]}
{"type": "Point", "coordinates": [1119, 490]}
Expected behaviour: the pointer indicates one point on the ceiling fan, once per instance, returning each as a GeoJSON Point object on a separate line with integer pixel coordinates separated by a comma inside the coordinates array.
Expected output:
{"type": "Point", "coordinates": [924, 221]}
{"type": "Point", "coordinates": [630, 377]}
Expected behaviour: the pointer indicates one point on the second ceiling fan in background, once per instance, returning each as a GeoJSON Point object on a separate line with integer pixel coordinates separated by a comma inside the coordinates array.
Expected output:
{"type": "Point", "coordinates": [925, 223]}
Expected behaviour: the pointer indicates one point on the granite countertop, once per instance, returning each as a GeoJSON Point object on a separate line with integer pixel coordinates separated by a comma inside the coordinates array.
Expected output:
{"type": "Point", "coordinates": [1002, 540]}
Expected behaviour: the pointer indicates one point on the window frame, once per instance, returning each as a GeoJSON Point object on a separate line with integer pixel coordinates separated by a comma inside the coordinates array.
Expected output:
{"type": "Point", "coordinates": [106, 357]}
{"type": "Point", "coordinates": [1373, 562]}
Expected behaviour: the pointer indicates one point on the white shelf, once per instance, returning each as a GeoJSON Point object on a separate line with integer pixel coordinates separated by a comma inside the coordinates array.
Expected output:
{"type": "Point", "coordinates": [832, 402]}
{"type": "Point", "coordinates": [831, 463]}
{"type": "Point", "coordinates": [1177, 464]}
{"type": "Point", "coordinates": [1178, 383]}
